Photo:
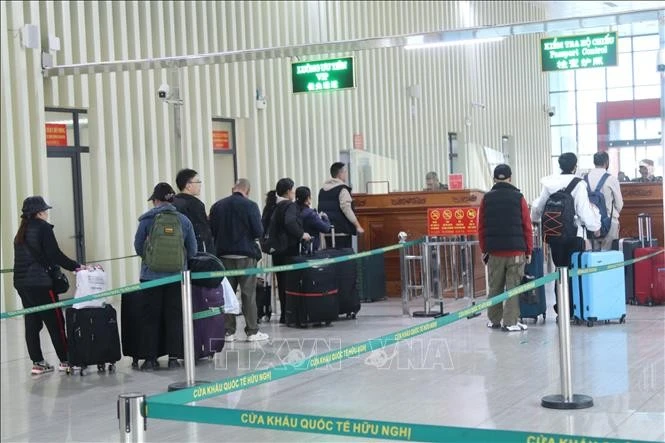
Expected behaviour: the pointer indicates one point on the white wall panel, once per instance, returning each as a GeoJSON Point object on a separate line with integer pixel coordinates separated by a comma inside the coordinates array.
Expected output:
{"type": "Point", "coordinates": [132, 145]}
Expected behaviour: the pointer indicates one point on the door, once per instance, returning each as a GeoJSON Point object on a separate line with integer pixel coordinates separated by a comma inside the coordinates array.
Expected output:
{"type": "Point", "coordinates": [64, 149]}
{"type": "Point", "coordinates": [224, 147]}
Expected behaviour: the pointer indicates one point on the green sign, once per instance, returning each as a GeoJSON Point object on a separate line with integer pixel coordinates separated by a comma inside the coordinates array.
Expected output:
{"type": "Point", "coordinates": [579, 51]}
{"type": "Point", "coordinates": [323, 75]}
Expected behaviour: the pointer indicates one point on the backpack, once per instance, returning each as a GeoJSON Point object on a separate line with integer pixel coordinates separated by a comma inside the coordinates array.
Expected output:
{"type": "Point", "coordinates": [558, 220]}
{"type": "Point", "coordinates": [274, 238]}
{"type": "Point", "coordinates": [597, 198]}
{"type": "Point", "coordinates": [165, 246]}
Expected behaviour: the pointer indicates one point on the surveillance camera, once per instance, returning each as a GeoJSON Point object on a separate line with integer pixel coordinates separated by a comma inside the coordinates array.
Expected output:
{"type": "Point", "coordinates": [163, 91]}
{"type": "Point", "coordinates": [551, 110]}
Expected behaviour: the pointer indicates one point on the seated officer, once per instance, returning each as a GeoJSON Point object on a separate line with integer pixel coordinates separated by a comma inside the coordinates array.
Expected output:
{"type": "Point", "coordinates": [432, 182]}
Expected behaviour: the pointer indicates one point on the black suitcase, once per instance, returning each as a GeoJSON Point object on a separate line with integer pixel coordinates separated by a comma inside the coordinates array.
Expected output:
{"type": "Point", "coordinates": [208, 332]}
{"type": "Point", "coordinates": [533, 303]}
{"type": "Point", "coordinates": [312, 293]}
{"type": "Point", "coordinates": [263, 301]}
{"type": "Point", "coordinates": [347, 281]}
{"type": "Point", "coordinates": [372, 278]}
{"type": "Point", "coordinates": [93, 337]}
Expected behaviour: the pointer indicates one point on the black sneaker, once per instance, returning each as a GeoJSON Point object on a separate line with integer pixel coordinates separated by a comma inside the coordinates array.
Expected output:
{"type": "Point", "coordinates": [149, 365]}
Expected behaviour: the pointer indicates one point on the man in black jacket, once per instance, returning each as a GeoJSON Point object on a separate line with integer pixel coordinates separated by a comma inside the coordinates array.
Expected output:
{"type": "Point", "coordinates": [187, 203]}
{"type": "Point", "coordinates": [335, 200]}
{"type": "Point", "coordinates": [236, 225]}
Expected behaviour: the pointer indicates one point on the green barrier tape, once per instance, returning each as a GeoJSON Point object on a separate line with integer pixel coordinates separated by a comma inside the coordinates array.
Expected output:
{"type": "Point", "coordinates": [308, 264]}
{"type": "Point", "coordinates": [594, 269]}
{"type": "Point", "coordinates": [105, 294]}
{"type": "Point", "coordinates": [352, 427]}
{"type": "Point", "coordinates": [255, 378]}
{"type": "Point", "coordinates": [212, 312]}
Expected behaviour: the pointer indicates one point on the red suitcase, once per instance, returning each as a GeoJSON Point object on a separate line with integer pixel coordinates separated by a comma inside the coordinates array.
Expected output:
{"type": "Point", "coordinates": [649, 273]}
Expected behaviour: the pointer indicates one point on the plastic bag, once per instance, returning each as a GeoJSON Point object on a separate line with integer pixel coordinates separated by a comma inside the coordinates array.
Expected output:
{"type": "Point", "coordinates": [231, 304]}
{"type": "Point", "coordinates": [90, 280]}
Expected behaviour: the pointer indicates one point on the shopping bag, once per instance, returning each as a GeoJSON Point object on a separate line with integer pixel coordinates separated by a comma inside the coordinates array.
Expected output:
{"type": "Point", "coordinates": [231, 304]}
{"type": "Point", "coordinates": [90, 280]}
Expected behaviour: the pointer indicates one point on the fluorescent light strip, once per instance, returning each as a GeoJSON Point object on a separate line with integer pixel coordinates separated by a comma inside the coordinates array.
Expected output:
{"type": "Point", "coordinates": [454, 43]}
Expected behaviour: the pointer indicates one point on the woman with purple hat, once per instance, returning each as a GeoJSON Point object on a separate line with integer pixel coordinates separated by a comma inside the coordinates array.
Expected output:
{"type": "Point", "coordinates": [35, 249]}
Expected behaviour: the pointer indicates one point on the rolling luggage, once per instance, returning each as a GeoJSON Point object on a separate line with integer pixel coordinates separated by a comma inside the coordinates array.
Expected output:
{"type": "Point", "coordinates": [347, 278]}
{"type": "Point", "coordinates": [208, 332]}
{"type": "Point", "coordinates": [599, 296]}
{"type": "Point", "coordinates": [628, 246]}
{"type": "Point", "coordinates": [312, 293]}
{"type": "Point", "coordinates": [533, 303]}
{"type": "Point", "coordinates": [372, 278]}
{"type": "Point", "coordinates": [263, 300]}
{"type": "Point", "coordinates": [92, 337]}
{"type": "Point", "coordinates": [649, 287]}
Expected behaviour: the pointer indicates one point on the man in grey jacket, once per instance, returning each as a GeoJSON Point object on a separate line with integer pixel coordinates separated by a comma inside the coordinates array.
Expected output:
{"type": "Point", "coordinates": [612, 193]}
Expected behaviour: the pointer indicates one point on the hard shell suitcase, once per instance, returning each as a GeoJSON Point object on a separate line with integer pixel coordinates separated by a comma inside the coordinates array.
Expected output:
{"type": "Point", "coordinates": [599, 296]}
{"type": "Point", "coordinates": [648, 285]}
{"type": "Point", "coordinates": [347, 278]}
{"type": "Point", "coordinates": [209, 331]}
{"type": "Point", "coordinates": [372, 278]}
{"type": "Point", "coordinates": [533, 303]}
{"type": "Point", "coordinates": [263, 300]}
{"type": "Point", "coordinates": [92, 337]}
{"type": "Point", "coordinates": [312, 293]}
{"type": "Point", "coordinates": [628, 246]}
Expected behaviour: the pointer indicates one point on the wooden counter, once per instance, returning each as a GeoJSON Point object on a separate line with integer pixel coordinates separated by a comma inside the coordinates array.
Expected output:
{"type": "Point", "coordinates": [383, 216]}
{"type": "Point", "coordinates": [639, 198]}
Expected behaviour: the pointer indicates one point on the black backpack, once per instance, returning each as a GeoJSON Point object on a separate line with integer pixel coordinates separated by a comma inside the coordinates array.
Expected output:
{"type": "Point", "coordinates": [275, 239]}
{"type": "Point", "coordinates": [558, 220]}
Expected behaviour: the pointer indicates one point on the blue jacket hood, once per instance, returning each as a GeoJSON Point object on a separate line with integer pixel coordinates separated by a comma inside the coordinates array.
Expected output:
{"type": "Point", "coordinates": [151, 213]}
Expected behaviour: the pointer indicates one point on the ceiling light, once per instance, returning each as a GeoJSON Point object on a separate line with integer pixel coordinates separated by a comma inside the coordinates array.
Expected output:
{"type": "Point", "coordinates": [453, 43]}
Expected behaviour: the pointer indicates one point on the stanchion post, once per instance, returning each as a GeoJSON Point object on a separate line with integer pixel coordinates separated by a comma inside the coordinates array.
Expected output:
{"type": "Point", "coordinates": [566, 400]}
{"type": "Point", "coordinates": [402, 236]}
{"type": "Point", "coordinates": [132, 422]}
{"type": "Point", "coordinates": [187, 335]}
{"type": "Point", "coordinates": [427, 281]}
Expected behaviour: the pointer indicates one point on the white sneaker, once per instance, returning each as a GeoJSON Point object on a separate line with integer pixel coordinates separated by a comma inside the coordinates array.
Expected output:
{"type": "Point", "coordinates": [230, 337]}
{"type": "Point", "coordinates": [259, 336]}
{"type": "Point", "coordinates": [63, 366]}
{"type": "Point", "coordinates": [517, 327]}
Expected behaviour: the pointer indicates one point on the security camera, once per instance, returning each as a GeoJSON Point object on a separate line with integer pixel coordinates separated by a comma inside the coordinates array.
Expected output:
{"type": "Point", "coordinates": [551, 110]}
{"type": "Point", "coordinates": [163, 91]}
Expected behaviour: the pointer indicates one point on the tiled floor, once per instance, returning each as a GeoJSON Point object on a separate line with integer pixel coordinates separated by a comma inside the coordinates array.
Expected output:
{"type": "Point", "coordinates": [460, 375]}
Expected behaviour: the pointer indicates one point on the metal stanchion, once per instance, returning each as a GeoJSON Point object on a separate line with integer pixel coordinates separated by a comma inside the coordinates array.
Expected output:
{"type": "Point", "coordinates": [403, 270]}
{"type": "Point", "coordinates": [428, 284]}
{"type": "Point", "coordinates": [131, 417]}
{"type": "Point", "coordinates": [187, 335]}
{"type": "Point", "coordinates": [565, 400]}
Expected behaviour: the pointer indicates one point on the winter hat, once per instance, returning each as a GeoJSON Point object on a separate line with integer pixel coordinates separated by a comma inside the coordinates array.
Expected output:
{"type": "Point", "coordinates": [162, 192]}
{"type": "Point", "coordinates": [32, 205]}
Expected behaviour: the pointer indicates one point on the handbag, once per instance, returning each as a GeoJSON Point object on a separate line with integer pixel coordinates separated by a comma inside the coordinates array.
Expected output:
{"type": "Point", "coordinates": [59, 281]}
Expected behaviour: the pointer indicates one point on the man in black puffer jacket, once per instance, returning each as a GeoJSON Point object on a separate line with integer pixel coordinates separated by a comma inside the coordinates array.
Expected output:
{"type": "Point", "coordinates": [187, 203]}
{"type": "Point", "coordinates": [35, 247]}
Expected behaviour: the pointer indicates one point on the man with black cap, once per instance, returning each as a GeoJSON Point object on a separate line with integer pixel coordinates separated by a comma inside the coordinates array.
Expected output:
{"type": "Point", "coordinates": [162, 305]}
{"type": "Point", "coordinates": [585, 216]}
{"type": "Point", "coordinates": [505, 237]}
{"type": "Point", "coordinates": [35, 248]}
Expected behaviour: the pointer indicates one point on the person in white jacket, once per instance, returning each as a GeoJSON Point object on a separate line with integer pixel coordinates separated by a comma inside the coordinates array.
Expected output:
{"type": "Point", "coordinates": [612, 192]}
{"type": "Point", "coordinates": [585, 215]}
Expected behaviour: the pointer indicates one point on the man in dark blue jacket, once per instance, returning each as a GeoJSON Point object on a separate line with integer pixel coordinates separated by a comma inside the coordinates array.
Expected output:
{"type": "Point", "coordinates": [236, 225]}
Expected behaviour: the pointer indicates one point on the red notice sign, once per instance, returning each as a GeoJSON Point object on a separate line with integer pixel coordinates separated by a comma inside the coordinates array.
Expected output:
{"type": "Point", "coordinates": [56, 134]}
{"type": "Point", "coordinates": [455, 181]}
{"type": "Point", "coordinates": [452, 221]}
{"type": "Point", "coordinates": [220, 140]}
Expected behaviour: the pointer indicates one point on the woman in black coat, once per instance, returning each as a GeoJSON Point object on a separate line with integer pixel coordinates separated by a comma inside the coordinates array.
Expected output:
{"type": "Point", "coordinates": [35, 247]}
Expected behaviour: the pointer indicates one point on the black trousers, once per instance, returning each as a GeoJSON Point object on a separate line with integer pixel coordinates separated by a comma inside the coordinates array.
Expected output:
{"type": "Point", "coordinates": [561, 253]}
{"type": "Point", "coordinates": [161, 322]}
{"type": "Point", "coordinates": [279, 260]}
{"type": "Point", "coordinates": [53, 319]}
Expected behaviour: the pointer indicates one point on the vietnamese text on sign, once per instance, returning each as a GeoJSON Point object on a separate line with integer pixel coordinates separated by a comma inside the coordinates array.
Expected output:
{"type": "Point", "coordinates": [579, 51]}
{"type": "Point", "coordinates": [323, 75]}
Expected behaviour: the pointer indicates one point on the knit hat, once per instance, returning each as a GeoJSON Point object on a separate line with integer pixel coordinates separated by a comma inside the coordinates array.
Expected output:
{"type": "Point", "coordinates": [502, 172]}
{"type": "Point", "coordinates": [162, 192]}
{"type": "Point", "coordinates": [567, 162]}
{"type": "Point", "coordinates": [33, 205]}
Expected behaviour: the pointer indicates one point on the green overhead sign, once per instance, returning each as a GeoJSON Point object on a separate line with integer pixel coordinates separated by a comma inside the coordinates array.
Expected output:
{"type": "Point", "coordinates": [579, 51]}
{"type": "Point", "coordinates": [322, 75]}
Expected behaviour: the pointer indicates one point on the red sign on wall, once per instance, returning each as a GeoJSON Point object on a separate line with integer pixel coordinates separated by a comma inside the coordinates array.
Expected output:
{"type": "Point", "coordinates": [455, 181]}
{"type": "Point", "coordinates": [220, 140]}
{"type": "Point", "coordinates": [358, 141]}
{"type": "Point", "coordinates": [56, 134]}
{"type": "Point", "coordinates": [452, 221]}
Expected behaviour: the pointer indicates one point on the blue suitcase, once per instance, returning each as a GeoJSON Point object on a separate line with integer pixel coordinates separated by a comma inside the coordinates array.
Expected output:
{"type": "Point", "coordinates": [600, 296]}
{"type": "Point", "coordinates": [533, 303]}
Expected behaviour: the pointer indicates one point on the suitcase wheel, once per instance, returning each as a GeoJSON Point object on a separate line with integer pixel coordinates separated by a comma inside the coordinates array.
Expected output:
{"type": "Point", "coordinates": [101, 368]}
{"type": "Point", "coordinates": [544, 317]}
{"type": "Point", "coordinates": [589, 323]}
{"type": "Point", "coordinates": [622, 320]}
{"type": "Point", "coordinates": [328, 323]}
{"type": "Point", "coordinates": [650, 303]}
{"type": "Point", "coordinates": [111, 367]}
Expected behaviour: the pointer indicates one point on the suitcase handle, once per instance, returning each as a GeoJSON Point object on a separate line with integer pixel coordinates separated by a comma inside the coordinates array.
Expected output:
{"type": "Point", "coordinates": [644, 229]}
